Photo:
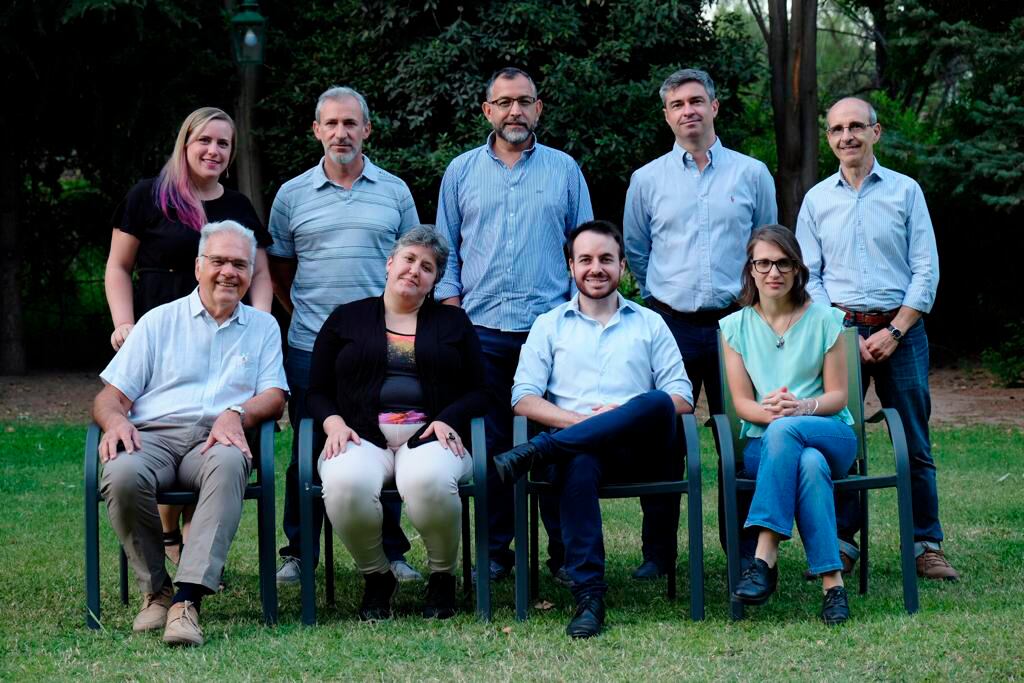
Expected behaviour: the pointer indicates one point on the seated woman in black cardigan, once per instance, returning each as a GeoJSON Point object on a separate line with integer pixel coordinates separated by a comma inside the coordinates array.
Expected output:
{"type": "Point", "coordinates": [394, 383]}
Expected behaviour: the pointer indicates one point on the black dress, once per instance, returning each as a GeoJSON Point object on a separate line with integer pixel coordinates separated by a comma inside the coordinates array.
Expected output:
{"type": "Point", "coordinates": [167, 252]}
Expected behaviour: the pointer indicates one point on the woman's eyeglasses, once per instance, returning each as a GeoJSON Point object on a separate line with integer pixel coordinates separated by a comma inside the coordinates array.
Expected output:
{"type": "Point", "coordinates": [764, 266]}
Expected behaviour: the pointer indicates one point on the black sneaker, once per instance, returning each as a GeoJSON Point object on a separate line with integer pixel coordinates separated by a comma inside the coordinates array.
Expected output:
{"type": "Point", "coordinates": [380, 588]}
{"type": "Point", "coordinates": [757, 583]}
{"type": "Point", "coordinates": [835, 606]}
{"type": "Point", "coordinates": [440, 603]}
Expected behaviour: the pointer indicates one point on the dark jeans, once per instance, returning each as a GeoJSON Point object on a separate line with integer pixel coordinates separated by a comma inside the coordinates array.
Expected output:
{"type": "Point", "coordinates": [501, 357]}
{"type": "Point", "coordinates": [296, 367]}
{"type": "Point", "coordinates": [636, 441]}
{"type": "Point", "coordinates": [901, 382]}
{"type": "Point", "coordinates": [698, 345]}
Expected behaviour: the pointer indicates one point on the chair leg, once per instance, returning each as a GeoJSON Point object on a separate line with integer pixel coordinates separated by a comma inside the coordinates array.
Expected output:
{"type": "Point", "coordinates": [727, 481]}
{"type": "Point", "coordinates": [522, 542]}
{"type": "Point", "coordinates": [92, 562]}
{"type": "Point", "coordinates": [467, 560]}
{"type": "Point", "coordinates": [906, 516]}
{"type": "Point", "coordinates": [329, 561]}
{"type": "Point", "coordinates": [267, 522]}
{"type": "Point", "coordinates": [695, 528]}
{"type": "Point", "coordinates": [483, 550]}
{"type": "Point", "coordinates": [865, 546]}
{"type": "Point", "coordinates": [123, 573]}
{"type": "Point", "coordinates": [534, 545]}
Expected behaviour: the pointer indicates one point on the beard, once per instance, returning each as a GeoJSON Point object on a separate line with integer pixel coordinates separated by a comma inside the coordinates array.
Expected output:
{"type": "Point", "coordinates": [515, 136]}
{"type": "Point", "coordinates": [342, 158]}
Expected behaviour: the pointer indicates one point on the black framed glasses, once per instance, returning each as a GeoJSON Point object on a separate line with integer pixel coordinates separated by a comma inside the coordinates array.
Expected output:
{"type": "Point", "coordinates": [764, 266]}
{"type": "Point", "coordinates": [505, 103]}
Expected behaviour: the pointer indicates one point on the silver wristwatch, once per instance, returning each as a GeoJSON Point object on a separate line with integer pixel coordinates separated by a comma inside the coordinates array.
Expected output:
{"type": "Point", "coordinates": [237, 409]}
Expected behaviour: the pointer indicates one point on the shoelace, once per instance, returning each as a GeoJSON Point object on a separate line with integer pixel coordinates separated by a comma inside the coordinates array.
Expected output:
{"type": "Point", "coordinates": [934, 558]}
{"type": "Point", "coordinates": [833, 595]}
{"type": "Point", "coordinates": [186, 616]}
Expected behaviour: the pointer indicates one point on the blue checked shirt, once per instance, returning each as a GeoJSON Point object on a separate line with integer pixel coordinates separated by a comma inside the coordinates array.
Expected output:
{"type": "Point", "coordinates": [686, 231]}
{"type": "Point", "coordinates": [869, 250]}
{"type": "Point", "coordinates": [507, 229]}
{"type": "Point", "coordinates": [580, 364]}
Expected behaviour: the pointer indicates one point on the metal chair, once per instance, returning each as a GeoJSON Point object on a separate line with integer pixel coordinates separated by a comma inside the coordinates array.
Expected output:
{"type": "Point", "coordinates": [262, 490]}
{"type": "Point", "coordinates": [310, 488]}
{"type": "Point", "coordinates": [730, 448]}
{"type": "Point", "coordinates": [527, 492]}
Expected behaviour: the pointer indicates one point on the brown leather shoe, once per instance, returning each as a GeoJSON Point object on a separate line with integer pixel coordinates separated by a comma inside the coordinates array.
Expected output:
{"type": "Point", "coordinates": [932, 564]}
{"type": "Point", "coordinates": [183, 625]}
{"type": "Point", "coordinates": [153, 614]}
{"type": "Point", "coordinates": [848, 564]}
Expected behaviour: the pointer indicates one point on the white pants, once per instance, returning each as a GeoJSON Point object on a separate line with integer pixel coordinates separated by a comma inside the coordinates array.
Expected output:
{"type": "Point", "coordinates": [427, 478]}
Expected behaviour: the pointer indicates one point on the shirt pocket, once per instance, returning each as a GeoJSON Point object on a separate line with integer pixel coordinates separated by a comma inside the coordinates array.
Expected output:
{"type": "Point", "coordinates": [240, 373]}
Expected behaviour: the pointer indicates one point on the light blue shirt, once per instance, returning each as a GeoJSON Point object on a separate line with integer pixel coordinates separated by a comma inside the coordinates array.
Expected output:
{"type": "Point", "coordinates": [507, 229]}
{"type": "Point", "coordinates": [872, 249]}
{"type": "Point", "coordinates": [179, 366]}
{"type": "Point", "coordinates": [341, 239]}
{"type": "Point", "coordinates": [580, 364]}
{"type": "Point", "coordinates": [686, 231]}
{"type": "Point", "coordinates": [798, 365]}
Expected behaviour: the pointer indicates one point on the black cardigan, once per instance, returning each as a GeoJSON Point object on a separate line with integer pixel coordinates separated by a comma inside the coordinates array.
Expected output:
{"type": "Point", "coordinates": [350, 362]}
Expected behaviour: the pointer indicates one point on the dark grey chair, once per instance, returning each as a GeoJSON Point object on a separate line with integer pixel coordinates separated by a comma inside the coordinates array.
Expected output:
{"type": "Point", "coordinates": [262, 491]}
{"type": "Point", "coordinates": [730, 450]}
{"type": "Point", "coordinates": [310, 488]}
{"type": "Point", "coordinates": [527, 531]}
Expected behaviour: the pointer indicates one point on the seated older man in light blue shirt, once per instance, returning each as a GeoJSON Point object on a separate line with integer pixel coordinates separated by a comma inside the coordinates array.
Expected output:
{"type": "Point", "coordinates": [608, 374]}
{"type": "Point", "coordinates": [179, 395]}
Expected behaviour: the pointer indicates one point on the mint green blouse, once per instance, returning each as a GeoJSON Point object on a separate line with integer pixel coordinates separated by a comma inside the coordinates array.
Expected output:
{"type": "Point", "coordinates": [797, 365]}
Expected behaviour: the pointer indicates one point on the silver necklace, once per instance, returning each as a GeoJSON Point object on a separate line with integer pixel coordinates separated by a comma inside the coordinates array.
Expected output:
{"type": "Point", "coordinates": [780, 340]}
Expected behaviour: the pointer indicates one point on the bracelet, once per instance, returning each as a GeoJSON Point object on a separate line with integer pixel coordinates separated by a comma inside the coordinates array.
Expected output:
{"type": "Point", "coordinates": [805, 408]}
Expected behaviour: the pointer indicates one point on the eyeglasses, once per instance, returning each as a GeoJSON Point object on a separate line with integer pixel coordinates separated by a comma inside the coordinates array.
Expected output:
{"type": "Point", "coordinates": [220, 262]}
{"type": "Point", "coordinates": [764, 266]}
{"type": "Point", "coordinates": [505, 103]}
{"type": "Point", "coordinates": [855, 128]}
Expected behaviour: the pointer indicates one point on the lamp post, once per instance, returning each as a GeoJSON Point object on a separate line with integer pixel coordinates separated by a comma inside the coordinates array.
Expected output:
{"type": "Point", "coordinates": [248, 39]}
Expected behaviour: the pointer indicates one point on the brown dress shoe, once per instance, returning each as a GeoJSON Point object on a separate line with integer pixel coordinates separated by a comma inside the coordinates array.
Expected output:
{"type": "Point", "coordinates": [153, 614]}
{"type": "Point", "coordinates": [183, 625]}
{"type": "Point", "coordinates": [932, 564]}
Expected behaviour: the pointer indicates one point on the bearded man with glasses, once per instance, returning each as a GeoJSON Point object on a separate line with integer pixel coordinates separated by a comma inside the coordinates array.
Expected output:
{"type": "Point", "coordinates": [868, 241]}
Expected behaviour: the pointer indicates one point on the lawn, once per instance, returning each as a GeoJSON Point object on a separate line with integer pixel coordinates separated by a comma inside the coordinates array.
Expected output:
{"type": "Point", "coordinates": [963, 630]}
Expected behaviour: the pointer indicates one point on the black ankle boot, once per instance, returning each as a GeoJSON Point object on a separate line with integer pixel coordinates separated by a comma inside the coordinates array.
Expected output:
{"type": "Point", "coordinates": [440, 603]}
{"type": "Point", "coordinates": [513, 464]}
{"type": "Point", "coordinates": [380, 588]}
{"type": "Point", "coordinates": [757, 583]}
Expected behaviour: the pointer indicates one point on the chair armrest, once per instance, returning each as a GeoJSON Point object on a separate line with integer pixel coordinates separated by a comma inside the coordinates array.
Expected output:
{"type": "Point", "coordinates": [691, 438]}
{"type": "Point", "coordinates": [478, 441]}
{"type": "Point", "coordinates": [92, 458]}
{"type": "Point", "coordinates": [305, 454]}
{"type": "Point", "coordinates": [726, 450]}
{"type": "Point", "coordinates": [897, 437]}
{"type": "Point", "coordinates": [266, 449]}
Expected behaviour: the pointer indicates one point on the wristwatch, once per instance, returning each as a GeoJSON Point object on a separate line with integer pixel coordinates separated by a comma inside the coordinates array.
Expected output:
{"type": "Point", "coordinates": [238, 409]}
{"type": "Point", "coordinates": [895, 332]}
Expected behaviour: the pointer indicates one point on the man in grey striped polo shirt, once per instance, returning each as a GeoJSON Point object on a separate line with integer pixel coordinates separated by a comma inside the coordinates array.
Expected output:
{"type": "Point", "coordinates": [333, 228]}
{"type": "Point", "coordinates": [868, 241]}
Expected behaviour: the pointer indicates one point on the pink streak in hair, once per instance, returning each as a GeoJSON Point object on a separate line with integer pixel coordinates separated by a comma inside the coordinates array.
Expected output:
{"type": "Point", "coordinates": [174, 190]}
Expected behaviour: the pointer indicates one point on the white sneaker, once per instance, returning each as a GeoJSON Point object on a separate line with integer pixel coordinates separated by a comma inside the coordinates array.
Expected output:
{"type": "Point", "coordinates": [290, 571]}
{"type": "Point", "coordinates": [404, 572]}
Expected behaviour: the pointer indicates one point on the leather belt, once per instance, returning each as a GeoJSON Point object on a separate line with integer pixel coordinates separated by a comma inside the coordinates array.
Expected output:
{"type": "Point", "coordinates": [707, 317]}
{"type": "Point", "coordinates": [869, 318]}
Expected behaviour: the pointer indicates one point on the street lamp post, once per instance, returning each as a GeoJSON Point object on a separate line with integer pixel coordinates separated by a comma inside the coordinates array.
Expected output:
{"type": "Point", "coordinates": [248, 38]}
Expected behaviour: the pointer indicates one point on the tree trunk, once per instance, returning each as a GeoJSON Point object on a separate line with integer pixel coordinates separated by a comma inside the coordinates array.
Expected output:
{"type": "Point", "coordinates": [250, 175]}
{"type": "Point", "coordinates": [792, 55]}
{"type": "Point", "coordinates": [12, 347]}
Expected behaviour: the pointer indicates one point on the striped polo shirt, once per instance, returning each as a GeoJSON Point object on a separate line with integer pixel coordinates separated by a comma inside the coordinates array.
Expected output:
{"type": "Point", "coordinates": [340, 238]}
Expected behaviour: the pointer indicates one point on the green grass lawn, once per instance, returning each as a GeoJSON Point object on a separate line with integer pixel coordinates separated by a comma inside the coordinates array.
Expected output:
{"type": "Point", "coordinates": [970, 629]}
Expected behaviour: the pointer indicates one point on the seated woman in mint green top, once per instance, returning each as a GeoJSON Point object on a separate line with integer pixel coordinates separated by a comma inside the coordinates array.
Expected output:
{"type": "Point", "coordinates": [786, 370]}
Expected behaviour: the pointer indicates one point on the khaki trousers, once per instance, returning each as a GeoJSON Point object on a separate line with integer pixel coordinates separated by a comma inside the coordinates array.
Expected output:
{"type": "Point", "coordinates": [170, 459]}
{"type": "Point", "coordinates": [427, 478]}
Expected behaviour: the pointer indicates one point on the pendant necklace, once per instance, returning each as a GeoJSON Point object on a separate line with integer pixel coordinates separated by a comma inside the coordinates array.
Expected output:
{"type": "Point", "coordinates": [780, 340]}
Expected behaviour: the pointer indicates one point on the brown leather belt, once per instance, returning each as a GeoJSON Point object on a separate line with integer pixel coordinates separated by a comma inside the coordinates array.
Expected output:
{"type": "Point", "coordinates": [869, 318]}
{"type": "Point", "coordinates": [707, 317]}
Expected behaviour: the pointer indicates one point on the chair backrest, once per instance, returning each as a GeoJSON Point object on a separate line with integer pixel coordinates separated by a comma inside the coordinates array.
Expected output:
{"type": "Point", "coordinates": [855, 401]}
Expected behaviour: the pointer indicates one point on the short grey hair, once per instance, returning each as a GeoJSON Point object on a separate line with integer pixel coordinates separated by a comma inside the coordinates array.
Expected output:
{"type": "Point", "coordinates": [425, 235]}
{"type": "Point", "coordinates": [339, 92]}
{"type": "Point", "coordinates": [687, 76]}
{"type": "Point", "coordinates": [872, 114]}
{"type": "Point", "coordinates": [233, 227]}
{"type": "Point", "coordinates": [508, 72]}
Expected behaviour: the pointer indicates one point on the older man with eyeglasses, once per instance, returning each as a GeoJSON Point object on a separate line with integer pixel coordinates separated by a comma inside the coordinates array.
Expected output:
{"type": "Point", "coordinates": [868, 241]}
{"type": "Point", "coordinates": [507, 208]}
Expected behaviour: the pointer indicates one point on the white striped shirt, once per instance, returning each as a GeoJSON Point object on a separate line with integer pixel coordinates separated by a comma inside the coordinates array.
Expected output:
{"type": "Point", "coordinates": [872, 249]}
{"type": "Point", "coordinates": [340, 238]}
{"type": "Point", "coordinates": [507, 228]}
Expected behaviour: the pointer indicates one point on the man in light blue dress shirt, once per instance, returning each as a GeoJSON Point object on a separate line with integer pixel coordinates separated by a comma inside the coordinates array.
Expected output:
{"type": "Point", "coordinates": [868, 241]}
{"type": "Point", "coordinates": [192, 377]}
{"type": "Point", "coordinates": [687, 220]}
{"type": "Point", "coordinates": [333, 228]}
{"type": "Point", "coordinates": [607, 374]}
{"type": "Point", "coordinates": [506, 208]}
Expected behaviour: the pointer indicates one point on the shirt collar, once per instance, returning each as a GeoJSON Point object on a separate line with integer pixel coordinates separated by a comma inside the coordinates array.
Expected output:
{"type": "Point", "coordinates": [196, 309]}
{"type": "Point", "coordinates": [623, 306]}
{"type": "Point", "coordinates": [370, 172]}
{"type": "Point", "coordinates": [713, 151]}
{"type": "Point", "coordinates": [526, 152]}
{"type": "Point", "coordinates": [877, 172]}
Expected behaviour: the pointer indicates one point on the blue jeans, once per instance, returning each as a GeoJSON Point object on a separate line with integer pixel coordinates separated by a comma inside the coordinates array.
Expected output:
{"type": "Point", "coordinates": [796, 461]}
{"type": "Point", "coordinates": [901, 382]}
{"type": "Point", "coordinates": [501, 357]}
{"type": "Point", "coordinates": [637, 441]}
{"type": "Point", "coordinates": [296, 367]}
